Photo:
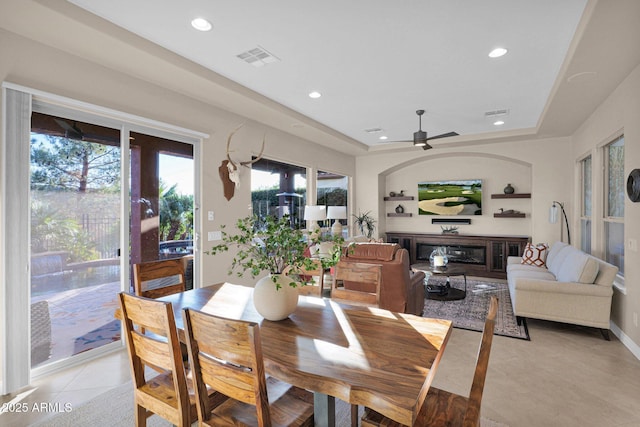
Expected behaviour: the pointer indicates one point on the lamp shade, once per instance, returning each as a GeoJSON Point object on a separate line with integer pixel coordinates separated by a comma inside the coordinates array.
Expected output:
{"type": "Point", "coordinates": [337, 212]}
{"type": "Point", "coordinates": [315, 213]}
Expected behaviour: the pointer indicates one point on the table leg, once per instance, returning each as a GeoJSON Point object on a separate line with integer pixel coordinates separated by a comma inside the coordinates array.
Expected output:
{"type": "Point", "coordinates": [324, 410]}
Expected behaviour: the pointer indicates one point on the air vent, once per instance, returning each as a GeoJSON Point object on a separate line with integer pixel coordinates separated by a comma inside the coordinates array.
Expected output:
{"type": "Point", "coordinates": [496, 113]}
{"type": "Point", "coordinates": [258, 57]}
{"type": "Point", "coordinates": [374, 130]}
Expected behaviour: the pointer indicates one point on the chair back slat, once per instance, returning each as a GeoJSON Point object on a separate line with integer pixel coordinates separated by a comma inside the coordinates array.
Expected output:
{"type": "Point", "coordinates": [316, 276]}
{"type": "Point", "coordinates": [472, 414]}
{"type": "Point", "coordinates": [156, 279]}
{"type": "Point", "coordinates": [357, 272]}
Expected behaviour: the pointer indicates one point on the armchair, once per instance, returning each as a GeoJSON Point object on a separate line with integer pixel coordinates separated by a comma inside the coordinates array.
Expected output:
{"type": "Point", "coordinates": [402, 290]}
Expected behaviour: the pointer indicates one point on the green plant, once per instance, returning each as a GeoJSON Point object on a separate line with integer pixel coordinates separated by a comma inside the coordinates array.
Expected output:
{"type": "Point", "coordinates": [365, 221]}
{"type": "Point", "coordinates": [272, 246]}
{"type": "Point", "coordinates": [329, 248]}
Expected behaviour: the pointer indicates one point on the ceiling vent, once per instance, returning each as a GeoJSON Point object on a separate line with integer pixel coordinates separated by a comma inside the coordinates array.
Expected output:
{"type": "Point", "coordinates": [258, 57]}
{"type": "Point", "coordinates": [496, 113]}
{"type": "Point", "coordinates": [373, 130]}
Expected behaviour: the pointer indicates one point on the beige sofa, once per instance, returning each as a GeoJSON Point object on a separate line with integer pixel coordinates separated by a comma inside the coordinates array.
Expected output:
{"type": "Point", "coordinates": [574, 287]}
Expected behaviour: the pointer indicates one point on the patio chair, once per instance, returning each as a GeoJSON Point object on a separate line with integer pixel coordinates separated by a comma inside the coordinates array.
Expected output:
{"type": "Point", "coordinates": [442, 408]}
{"type": "Point", "coordinates": [226, 355]}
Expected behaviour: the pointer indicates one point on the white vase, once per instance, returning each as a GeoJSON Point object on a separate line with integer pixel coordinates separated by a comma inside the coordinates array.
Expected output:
{"type": "Point", "coordinates": [272, 303]}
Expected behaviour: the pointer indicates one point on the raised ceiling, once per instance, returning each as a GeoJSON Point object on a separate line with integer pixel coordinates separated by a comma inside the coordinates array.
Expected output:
{"type": "Point", "coordinates": [375, 62]}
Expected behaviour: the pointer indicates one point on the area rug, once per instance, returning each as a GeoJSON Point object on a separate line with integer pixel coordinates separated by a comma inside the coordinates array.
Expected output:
{"type": "Point", "coordinates": [115, 408]}
{"type": "Point", "coordinates": [470, 312]}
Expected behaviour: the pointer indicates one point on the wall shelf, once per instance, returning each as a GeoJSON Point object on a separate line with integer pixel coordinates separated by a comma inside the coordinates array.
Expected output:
{"type": "Point", "coordinates": [511, 215]}
{"type": "Point", "coordinates": [389, 198]}
{"type": "Point", "coordinates": [512, 196]}
{"type": "Point", "coordinates": [399, 214]}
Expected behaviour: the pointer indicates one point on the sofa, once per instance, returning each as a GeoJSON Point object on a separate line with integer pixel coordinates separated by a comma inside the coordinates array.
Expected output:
{"type": "Point", "coordinates": [402, 290]}
{"type": "Point", "coordinates": [566, 286]}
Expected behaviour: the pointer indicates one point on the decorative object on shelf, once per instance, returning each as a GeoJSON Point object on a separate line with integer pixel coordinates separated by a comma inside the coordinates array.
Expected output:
{"type": "Point", "coordinates": [633, 185]}
{"type": "Point", "coordinates": [392, 194]}
{"type": "Point", "coordinates": [336, 213]}
{"type": "Point", "coordinates": [438, 258]}
{"type": "Point", "coordinates": [364, 221]}
{"type": "Point", "coordinates": [399, 209]}
{"type": "Point", "coordinates": [313, 214]}
{"type": "Point", "coordinates": [449, 230]}
{"type": "Point", "coordinates": [401, 194]}
{"type": "Point", "coordinates": [509, 189]}
{"type": "Point", "coordinates": [553, 218]}
{"type": "Point", "coordinates": [271, 245]}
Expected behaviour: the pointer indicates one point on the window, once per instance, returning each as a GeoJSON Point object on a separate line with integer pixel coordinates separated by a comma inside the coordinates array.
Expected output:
{"type": "Point", "coordinates": [332, 191]}
{"type": "Point", "coordinates": [614, 195]}
{"type": "Point", "coordinates": [585, 214]}
{"type": "Point", "coordinates": [279, 189]}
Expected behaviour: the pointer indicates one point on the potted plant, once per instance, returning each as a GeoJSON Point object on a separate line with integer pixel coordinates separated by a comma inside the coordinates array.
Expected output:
{"type": "Point", "coordinates": [365, 221]}
{"type": "Point", "coordinates": [272, 246]}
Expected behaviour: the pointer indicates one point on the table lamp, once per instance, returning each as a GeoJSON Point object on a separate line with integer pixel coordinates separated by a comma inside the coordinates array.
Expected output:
{"type": "Point", "coordinates": [313, 214]}
{"type": "Point", "coordinates": [336, 213]}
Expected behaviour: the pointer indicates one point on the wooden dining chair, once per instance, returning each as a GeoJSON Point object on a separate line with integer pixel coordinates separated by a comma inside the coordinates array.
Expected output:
{"type": "Point", "coordinates": [366, 277]}
{"type": "Point", "coordinates": [315, 286]}
{"type": "Point", "coordinates": [442, 408]}
{"type": "Point", "coordinates": [226, 355]}
{"type": "Point", "coordinates": [166, 394]}
{"type": "Point", "coordinates": [155, 279]}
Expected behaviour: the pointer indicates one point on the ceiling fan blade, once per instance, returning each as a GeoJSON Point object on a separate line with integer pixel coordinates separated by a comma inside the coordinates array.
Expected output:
{"type": "Point", "coordinates": [444, 135]}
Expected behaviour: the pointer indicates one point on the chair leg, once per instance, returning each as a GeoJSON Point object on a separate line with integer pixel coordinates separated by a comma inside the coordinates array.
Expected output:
{"type": "Point", "coordinates": [605, 334]}
{"type": "Point", "coordinates": [354, 415]}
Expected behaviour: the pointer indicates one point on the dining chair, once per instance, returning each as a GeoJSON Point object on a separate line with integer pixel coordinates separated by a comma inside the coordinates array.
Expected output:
{"type": "Point", "coordinates": [155, 279]}
{"type": "Point", "coordinates": [316, 286]}
{"type": "Point", "coordinates": [226, 355]}
{"type": "Point", "coordinates": [167, 394]}
{"type": "Point", "coordinates": [368, 276]}
{"type": "Point", "coordinates": [442, 408]}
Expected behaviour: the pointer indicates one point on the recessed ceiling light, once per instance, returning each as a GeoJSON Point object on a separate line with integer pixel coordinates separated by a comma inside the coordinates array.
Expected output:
{"type": "Point", "coordinates": [201, 24]}
{"type": "Point", "coordinates": [497, 52]}
{"type": "Point", "coordinates": [314, 94]}
{"type": "Point", "coordinates": [498, 123]}
{"type": "Point", "coordinates": [383, 137]}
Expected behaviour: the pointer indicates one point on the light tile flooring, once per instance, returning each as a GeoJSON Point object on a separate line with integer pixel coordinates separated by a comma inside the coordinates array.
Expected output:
{"type": "Point", "coordinates": [565, 376]}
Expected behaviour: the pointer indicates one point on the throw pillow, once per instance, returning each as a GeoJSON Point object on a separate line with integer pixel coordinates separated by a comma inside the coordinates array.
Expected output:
{"type": "Point", "coordinates": [535, 254]}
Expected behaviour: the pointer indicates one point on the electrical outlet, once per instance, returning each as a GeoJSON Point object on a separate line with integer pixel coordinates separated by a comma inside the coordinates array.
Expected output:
{"type": "Point", "coordinates": [210, 215]}
{"type": "Point", "coordinates": [214, 235]}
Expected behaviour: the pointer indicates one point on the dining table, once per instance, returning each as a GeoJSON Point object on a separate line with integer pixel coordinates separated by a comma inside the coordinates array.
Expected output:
{"type": "Point", "coordinates": [362, 355]}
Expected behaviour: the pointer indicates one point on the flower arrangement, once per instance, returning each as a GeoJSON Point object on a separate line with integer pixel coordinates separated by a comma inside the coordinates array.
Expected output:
{"type": "Point", "coordinates": [270, 245]}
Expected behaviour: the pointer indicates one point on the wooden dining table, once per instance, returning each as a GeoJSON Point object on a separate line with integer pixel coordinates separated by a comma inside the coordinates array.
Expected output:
{"type": "Point", "coordinates": [361, 355]}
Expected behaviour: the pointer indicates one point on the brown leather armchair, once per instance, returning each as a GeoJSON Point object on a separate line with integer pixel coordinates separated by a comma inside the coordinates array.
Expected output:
{"type": "Point", "coordinates": [402, 290]}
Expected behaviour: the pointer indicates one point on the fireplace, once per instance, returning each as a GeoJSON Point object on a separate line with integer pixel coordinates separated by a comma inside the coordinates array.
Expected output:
{"type": "Point", "coordinates": [462, 254]}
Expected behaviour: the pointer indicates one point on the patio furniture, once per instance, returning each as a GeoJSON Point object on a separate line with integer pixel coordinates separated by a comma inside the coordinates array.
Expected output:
{"type": "Point", "coordinates": [226, 355]}
{"type": "Point", "coordinates": [40, 332]}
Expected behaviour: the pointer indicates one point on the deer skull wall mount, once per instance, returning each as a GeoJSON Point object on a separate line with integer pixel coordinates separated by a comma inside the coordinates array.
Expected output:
{"type": "Point", "coordinates": [229, 171]}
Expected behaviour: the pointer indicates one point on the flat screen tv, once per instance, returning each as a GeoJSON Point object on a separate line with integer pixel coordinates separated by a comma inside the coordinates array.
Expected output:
{"type": "Point", "coordinates": [455, 197]}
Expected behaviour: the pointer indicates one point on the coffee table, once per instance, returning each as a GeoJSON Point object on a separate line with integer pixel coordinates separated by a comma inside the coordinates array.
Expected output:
{"type": "Point", "coordinates": [443, 292]}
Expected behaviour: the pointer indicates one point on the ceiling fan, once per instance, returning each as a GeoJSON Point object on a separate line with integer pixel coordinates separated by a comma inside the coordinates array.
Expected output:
{"type": "Point", "coordinates": [420, 137]}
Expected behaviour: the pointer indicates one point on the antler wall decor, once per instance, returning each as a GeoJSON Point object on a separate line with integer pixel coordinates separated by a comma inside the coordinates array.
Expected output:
{"type": "Point", "coordinates": [228, 170]}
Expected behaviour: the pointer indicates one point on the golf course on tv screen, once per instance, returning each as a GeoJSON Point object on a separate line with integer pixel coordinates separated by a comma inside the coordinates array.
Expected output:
{"type": "Point", "coordinates": [456, 197]}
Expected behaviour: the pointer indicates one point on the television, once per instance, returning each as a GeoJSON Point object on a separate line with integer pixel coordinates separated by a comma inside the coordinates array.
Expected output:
{"type": "Point", "coordinates": [454, 197]}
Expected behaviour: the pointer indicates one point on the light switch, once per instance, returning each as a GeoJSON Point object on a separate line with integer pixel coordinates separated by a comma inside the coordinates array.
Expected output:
{"type": "Point", "coordinates": [210, 215]}
{"type": "Point", "coordinates": [632, 245]}
{"type": "Point", "coordinates": [214, 235]}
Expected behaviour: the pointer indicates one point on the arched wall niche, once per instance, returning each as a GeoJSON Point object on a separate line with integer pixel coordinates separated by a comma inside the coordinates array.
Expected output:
{"type": "Point", "coordinates": [495, 171]}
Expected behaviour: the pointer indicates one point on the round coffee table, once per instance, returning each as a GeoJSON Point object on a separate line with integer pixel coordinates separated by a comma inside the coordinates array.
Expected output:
{"type": "Point", "coordinates": [443, 292]}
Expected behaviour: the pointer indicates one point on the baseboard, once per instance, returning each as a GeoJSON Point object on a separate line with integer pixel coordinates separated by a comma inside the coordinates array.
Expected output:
{"type": "Point", "coordinates": [626, 341]}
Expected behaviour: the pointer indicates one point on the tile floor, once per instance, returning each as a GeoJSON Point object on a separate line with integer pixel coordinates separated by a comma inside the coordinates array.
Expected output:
{"type": "Point", "coordinates": [565, 376]}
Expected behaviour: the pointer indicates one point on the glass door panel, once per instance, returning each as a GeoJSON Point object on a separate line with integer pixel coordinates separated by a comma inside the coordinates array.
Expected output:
{"type": "Point", "coordinates": [74, 237]}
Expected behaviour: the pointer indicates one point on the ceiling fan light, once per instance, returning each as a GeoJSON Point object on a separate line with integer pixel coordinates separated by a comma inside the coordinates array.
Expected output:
{"type": "Point", "coordinates": [420, 143]}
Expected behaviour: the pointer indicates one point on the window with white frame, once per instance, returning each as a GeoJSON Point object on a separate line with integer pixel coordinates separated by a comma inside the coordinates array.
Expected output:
{"type": "Point", "coordinates": [585, 213]}
{"type": "Point", "coordinates": [614, 193]}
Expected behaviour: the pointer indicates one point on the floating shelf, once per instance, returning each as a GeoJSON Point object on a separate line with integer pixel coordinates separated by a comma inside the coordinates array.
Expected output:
{"type": "Point", "coordinates": [399, 214]}
{"type": "Point", "coordinates": [389, 198]}
{"type": "Point", "coordinates": [511, 215]}
{"type": "Point", "coordinates": [512, 196]}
